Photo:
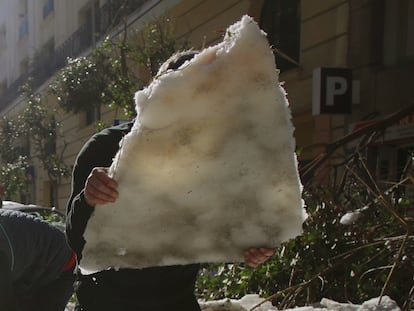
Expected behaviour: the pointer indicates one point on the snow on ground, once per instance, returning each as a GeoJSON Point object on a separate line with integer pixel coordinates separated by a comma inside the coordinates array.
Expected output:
{"type": "Point", "coordinates": [251, 301]}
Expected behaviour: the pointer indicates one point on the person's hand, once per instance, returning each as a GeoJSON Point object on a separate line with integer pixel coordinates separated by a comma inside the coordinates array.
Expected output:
{"type": "Point", "coordinates": [256, 256]}
{"type": "Point", "coordinates": [100, 188]}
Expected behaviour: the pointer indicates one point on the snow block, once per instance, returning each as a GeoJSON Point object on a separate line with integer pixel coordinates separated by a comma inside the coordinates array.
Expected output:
{"type": "Point", "coordinates": [209, 168]}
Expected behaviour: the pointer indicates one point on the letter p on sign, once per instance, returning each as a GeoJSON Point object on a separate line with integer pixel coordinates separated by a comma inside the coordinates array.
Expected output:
{"type": "Point", "coordinates": [332, 91]}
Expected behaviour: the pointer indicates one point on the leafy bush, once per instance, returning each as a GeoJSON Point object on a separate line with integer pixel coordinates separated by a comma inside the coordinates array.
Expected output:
{"type": "Point", "coordinates": [78, 85]}
{"type": "Point", "coordinates": [13, 162]}
{"type": "Point", "coordinates": [115, 70]}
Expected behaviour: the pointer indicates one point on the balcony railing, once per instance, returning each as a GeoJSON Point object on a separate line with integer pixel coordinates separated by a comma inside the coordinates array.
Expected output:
{"type": "Point", "coordinates": [45, 66]}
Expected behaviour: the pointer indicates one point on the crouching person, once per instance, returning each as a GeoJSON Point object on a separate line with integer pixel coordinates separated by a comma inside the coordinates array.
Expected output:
{"type": "Point", "coordinates": [36, 264]}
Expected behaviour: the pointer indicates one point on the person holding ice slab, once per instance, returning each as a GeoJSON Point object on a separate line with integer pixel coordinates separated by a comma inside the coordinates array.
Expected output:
{"type": "Point", "coordinates": [205, 173]}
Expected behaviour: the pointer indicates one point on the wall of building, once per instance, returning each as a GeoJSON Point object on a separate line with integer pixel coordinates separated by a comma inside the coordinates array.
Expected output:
{"type": "Point", "coordinates": [202, 23]}
{"type": "Point", "coordinates": [381, 55]}
{"type": "Point", "coordinates": [355, 34]}
{"type": "Point", "coordinates": [323, 42]}
{"type": "Point", "coordinates": [382, 58]}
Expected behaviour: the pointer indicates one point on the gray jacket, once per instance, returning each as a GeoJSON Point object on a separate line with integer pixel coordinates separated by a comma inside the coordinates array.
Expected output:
{"type": "Point", "coordinates": [33, 252]}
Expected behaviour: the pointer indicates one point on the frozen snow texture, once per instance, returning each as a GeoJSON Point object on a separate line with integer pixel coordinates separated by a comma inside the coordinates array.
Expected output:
{"type": "Point", "coordinates": [375, 304]}
{"type": "Point", "coordinates": [209, 168]}
{"type": "Point", "coordinates": [248, 302]}
{"type": "Point", "coordinates": [245, 303]}
{"type": "Point", "coordinates": [350, 218]}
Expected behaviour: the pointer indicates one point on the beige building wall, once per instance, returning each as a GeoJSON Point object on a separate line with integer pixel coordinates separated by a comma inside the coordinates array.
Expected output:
{"type": "Point", "coordinates": [324, 42]}
{"type": "Point", "coordinates": [202, 22]}
{"type": "Point", "coordinates": [333, 33]}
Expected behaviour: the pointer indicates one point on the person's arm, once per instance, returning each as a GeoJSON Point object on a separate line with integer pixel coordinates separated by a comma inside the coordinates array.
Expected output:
{"type": "Point", "coordinates": [78, 211]}
{"type": "Point", "coordinates": [97, 152]}
{"type": "Point", "coordinates": [6, 286]}
{"type": "Point", "coordinates": [99, 189]}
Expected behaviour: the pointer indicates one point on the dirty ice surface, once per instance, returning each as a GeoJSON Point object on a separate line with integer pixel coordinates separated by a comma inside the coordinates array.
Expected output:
{"type": "Point", "coordinates": [209, 168]}
{"type": "Point", "coordinates": [257, 303]}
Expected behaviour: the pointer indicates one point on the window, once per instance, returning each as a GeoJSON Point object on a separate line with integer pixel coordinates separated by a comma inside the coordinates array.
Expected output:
{"type": "Point", "coordinates": [24, 22]}
{"type": "Point", "coordinates": [3, 86]}
{"type": "Point", "coordinates": [49, 192]}
{"type": "Point", "coordinates": [24, 27]}
{"type": "Point", "coordinates": [88, 19]}
{"type": "Point", "coordinates": [23, 147]}
{"type": "Point", "coordinates": [50, 142]}
{"type": "Point", "coordinates": [93, 114]}
{"type": "Point", "coordinates": [281, 20]}
{"type": "Point", "coordinates": [48, 8]}
{"type": "Point", "coordinates": [48, 50]}
{"type": "Point", "coordinates": [24, 66]}
{"type": "Point", "coordinates": [3, 42]}
{"type": "Point", "coordinates": [398, 44]}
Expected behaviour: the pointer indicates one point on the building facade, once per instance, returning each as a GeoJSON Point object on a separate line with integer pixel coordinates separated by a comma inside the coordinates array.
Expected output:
{"type": "Point", "coordinates": [372, 41]}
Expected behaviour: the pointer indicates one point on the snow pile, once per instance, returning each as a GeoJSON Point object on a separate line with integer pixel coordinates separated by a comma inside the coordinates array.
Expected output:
{"type": "Point", "coordinates": [251, 302]}
{"type": "Point", "coordinates": [384, 303]}
{"type": "Point", "coordinates": [209, 168]}
{"type": "Point", "coordinates": [245, 303]}
{"type": "Point", "coordinates": [254, 302]}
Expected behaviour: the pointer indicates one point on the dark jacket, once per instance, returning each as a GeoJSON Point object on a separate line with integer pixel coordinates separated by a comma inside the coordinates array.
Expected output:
{"type": "Point", "coordinates": [127, 289]}
{"type": "Point", "coordinates": [32, 254]}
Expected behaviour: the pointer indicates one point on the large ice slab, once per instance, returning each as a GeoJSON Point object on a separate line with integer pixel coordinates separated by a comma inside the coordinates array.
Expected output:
{"type": "Point", "coordinates": [209, 168]}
